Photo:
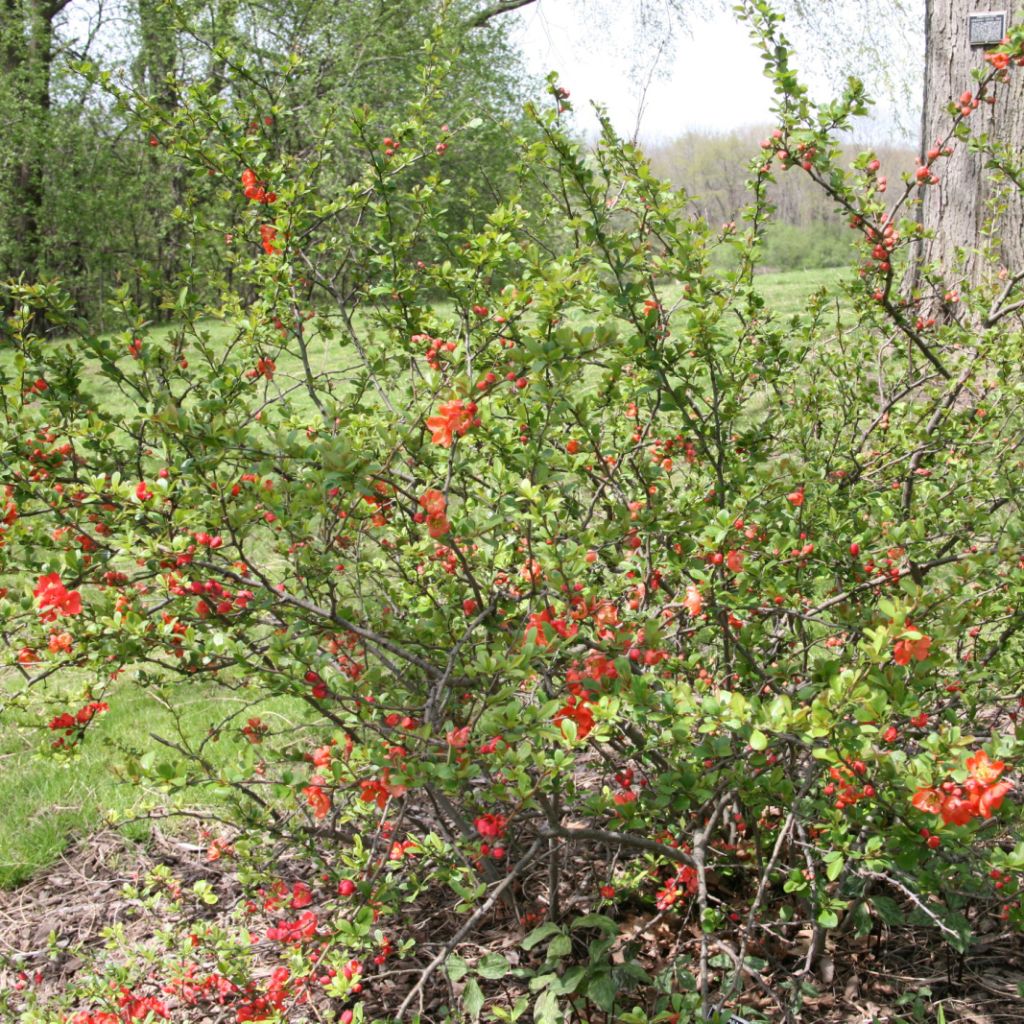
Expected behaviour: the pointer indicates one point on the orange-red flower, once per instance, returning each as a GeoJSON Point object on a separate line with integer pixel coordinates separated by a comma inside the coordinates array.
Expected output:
{"type": "Point", "coordinates": [452, 420]}
{"type": "Point", "coordinates": [981, 794]}
{"type": "Point", "coordinates": [982, 769]}
{"type": "Point", "coordinates": [927, 800]}
{"type": "Point", "coordinates": [434, 505]}
{"type": "Point", "coordinates": [579, 712]}
{"type": "Point", "coordinates": [318, 800]}
{"type": "Point", "coordinates": [991, 797]}
{"type": "Point", "coordinates": [906, 648]}
{"type": "Point", "coordinates": [55, 599]}
{"type": "Point", "coordinates": [60, 642]}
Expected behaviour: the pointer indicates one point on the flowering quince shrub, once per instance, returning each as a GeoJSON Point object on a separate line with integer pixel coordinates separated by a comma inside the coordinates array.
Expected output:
{"type": "Point", "coordinates": [574, 554]}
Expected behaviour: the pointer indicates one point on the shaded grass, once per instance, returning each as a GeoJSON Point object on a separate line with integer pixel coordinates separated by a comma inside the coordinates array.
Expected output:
{"type": "Point", "coordinates": [51, 799]}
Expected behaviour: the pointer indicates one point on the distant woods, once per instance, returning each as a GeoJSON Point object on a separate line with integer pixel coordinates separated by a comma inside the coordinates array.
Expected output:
{"type": "Point", "coordinates": [808, 232]}
{"type": "Point", "coordinates": [91, 195]}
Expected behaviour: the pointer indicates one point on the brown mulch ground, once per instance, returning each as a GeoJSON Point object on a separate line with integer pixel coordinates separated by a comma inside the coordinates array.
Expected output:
{"type": "Point", "coordinates": [55, 923]}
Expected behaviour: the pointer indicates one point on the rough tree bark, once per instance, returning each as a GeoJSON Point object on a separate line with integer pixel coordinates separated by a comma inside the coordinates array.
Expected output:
{"type": "Point", "coordinates": [957, 209]}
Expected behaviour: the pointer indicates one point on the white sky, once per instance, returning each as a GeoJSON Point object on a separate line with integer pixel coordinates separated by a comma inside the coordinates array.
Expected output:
{"type": "Point", "coordinates": [711, 79]}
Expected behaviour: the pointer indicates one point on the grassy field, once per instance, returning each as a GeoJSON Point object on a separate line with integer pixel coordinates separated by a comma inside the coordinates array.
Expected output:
{"type": "Point", "coordinates": [49, 800]}
{"type": "Point", "coordinates": [787, 293]}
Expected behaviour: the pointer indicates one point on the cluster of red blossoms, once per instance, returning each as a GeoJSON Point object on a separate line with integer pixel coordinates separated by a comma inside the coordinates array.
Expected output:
{"type": "Point", "coordinates": [213, 597]}
{"type": "Point", "coordinates": [453, 419]}
{"type": "Point", "coordinates": [491, 827]}
{"type": "Point", "coordinates": [55, 599]}
{"type": "Point", "coordinates": [845, 780]}
{"type": "Point", "coordinates": [916, 646]}
{"type": "Point", "coordinates": [272, 1002]}
{"type": "Point", "coordinates": [74, 724]}
{"type": "Point", "coordinates": [264, 367]}
{"type": "Point", "coordinates": [981, 794]}
{"type": "Point", "coordinates": [435, 346]}
{"type": "Point", "coordinates": [379, 791]}
{"type": "Point", "coordinates": [193, 990]}
{"type": "Point", "coordinates": [255, 189]}
{"type": "Point", "coordinates": [133, 1008]}
{"type": "Point", "coordinates": [542, 627]}
{"type": "Point", "coordinates": [434, 506]}
{"type": "Point", "coordinates": [8, 515]}
{"type": "Point", "coordinates": [302, 928]}
{"type": "Point", "coordinates": [318, 800]}
{"type": "Point", "coordinates": [268, 235]}
{"type": "Point", "coordinates": [683, 883]}
{"type": "Point", "coordinates": [577, 710]}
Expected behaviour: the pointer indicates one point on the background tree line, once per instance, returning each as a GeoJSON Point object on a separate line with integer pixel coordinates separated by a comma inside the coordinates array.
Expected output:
{"type": "Point", "coordinates": [807, 233]}
{"type": "Point", "coordinates": [87, 199]}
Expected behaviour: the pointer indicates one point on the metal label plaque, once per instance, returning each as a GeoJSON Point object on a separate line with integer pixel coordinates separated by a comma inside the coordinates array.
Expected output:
{"type": "Point", "coordinates": [986, 28]}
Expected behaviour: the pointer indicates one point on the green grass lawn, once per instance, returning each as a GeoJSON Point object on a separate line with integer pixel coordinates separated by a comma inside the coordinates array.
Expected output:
{"type": "Point", "coordinates": [787, 293]}
{"type": "Point", "coordinates": [49, 800]}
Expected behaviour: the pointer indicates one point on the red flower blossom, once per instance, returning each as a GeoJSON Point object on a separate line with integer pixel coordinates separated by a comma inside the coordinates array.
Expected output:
{"type": "Point", "coordinates": [434, 505]}
{"type": "Point", "coordinates": [979, 796]}
{"type": "Point", "coordinates": [982, 769]}
{"type": "Point", "coordinates": [458, 738]}
{"type": "Point", "coordinates": [991, 798]}
{"type": "Point", "coordinates": [908, 648]}
{"type": "Point", "coordinates": [491, 826]}
{"type": "Point", "coordinates": [379, 790]}
{"type": "Point", "coordinates": [316, 797]}
{"type": "Point", "coordinates": [579, 712]}
{"type": "Point", "coordinates": [303, 927]}
{"type": "Point", "coordinates": [301, 896]}
{"type": "Point", "coordinates": [452, 420]}
{"type": "Point", "coordinates": [55, 599]}
{"type": "Point", "coordinates": [268, 236]}
{"type": "Point", "coordinates": [135, 1007]}
{"type": "Point", "coordinates": [60, 642]}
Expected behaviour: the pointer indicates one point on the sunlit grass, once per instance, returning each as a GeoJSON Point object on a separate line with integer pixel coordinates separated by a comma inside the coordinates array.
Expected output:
{"type": "Point", "coordinates": [51, 799]}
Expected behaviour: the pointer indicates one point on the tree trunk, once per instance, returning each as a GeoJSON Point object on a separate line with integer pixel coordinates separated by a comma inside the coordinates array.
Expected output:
{"type": "Point", "coordinates": [966, 210]}
{"type": "Point", "coordinates": [158, 54]}
{"type": "Point", "coordinates": [26, 44]}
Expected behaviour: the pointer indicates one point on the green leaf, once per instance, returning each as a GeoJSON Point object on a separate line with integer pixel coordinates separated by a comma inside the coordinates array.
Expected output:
{"type": "Point", "coordinates": [539, 934]}
{"type": "Point", "coordinates": [568, 982]}
{"type": "Point", "coordinates": [561, 945]}
{"type": "Point", "coordinates": [601, 990]}
{"type": "Point", "coordinates": [834, 866]}
{"type": "Point", "coordinates": [828, 919]}
{"type": "Point", "coordinates": [492, 966]}
{"type": "Point", "coordinates": [546, 1011]}
{"type": "Point", "coordinates": [758, 740]}
{"type": "Point", "coordinates": [605, 923]}
{"type": "Point", "coordinates": [473, 998]}
{"type": "Point", "coordinates": [456, 968]}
